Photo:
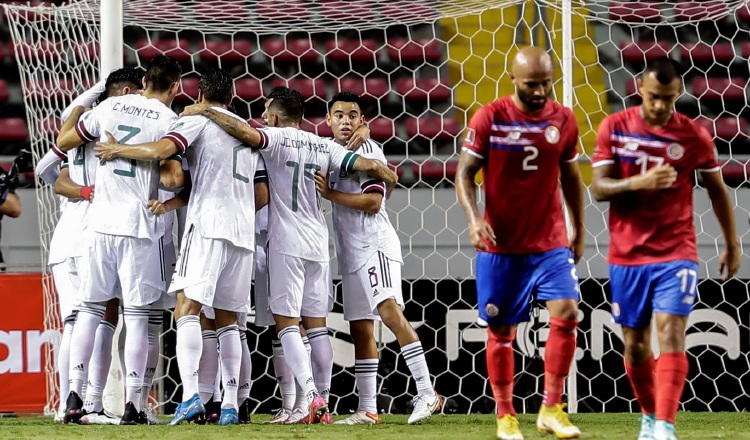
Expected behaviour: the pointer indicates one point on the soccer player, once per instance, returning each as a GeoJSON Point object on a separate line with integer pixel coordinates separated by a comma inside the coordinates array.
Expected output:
{"type": "Point", "coordinates": [527, 147]}
{"type": "Point", "coordinates": [216, 256]}
{"type": "Point", "coordinates": [369, 256]}
{"type": "Point", "coordinates": [644, 165]}
{"type": "Point", "coordinates": [300, 284]}
{"type": "Point", "coordinates": [122, 245]}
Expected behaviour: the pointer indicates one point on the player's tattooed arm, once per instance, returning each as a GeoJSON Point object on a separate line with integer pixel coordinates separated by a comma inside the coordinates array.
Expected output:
{"type": "Point", "coordinates": [573, 190]}
{"type": "Point", "coordinates": [375, 169]}
{"type": "Point", "coordinates": [604, 187]}
{"type": "Point", "coordinates": [480, 231]}
{"type": "Point", "coordinates": [235, 127]}
{"type": "Point", "coordinates": [65, 187]}
{"type": "Point", "coordinates": [729, 263]}
{"type": "Point", "coordinates": [367, 202]}
{"type": "Point", "coordinates": [68, 137]}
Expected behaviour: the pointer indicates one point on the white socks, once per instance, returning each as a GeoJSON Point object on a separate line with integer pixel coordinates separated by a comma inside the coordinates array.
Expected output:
{"type": "Point", "coordinates": [101, 359]}
{"type": "Point", "coordinates": [297, 360]}
{"type": "Point", "coordinates": [209, 365]}
{"type": "Point", "coordinates": [366, 376]}
{"type": "Point", "coordinates": [284, 376]}
{"type": "Point", "coordinates": [63, 360]}
{"type": "Point", "coordinates": [82, 344]}
{"type": "Point", "coordinates": [189, 347]}
{"type": "Point", "coordinates": [136, 353]}
{"type": "Point", "coordinates": [230, 354]}
{"type": "Point", "coordinates": [246, 370]}
{"type": "Point", "coordinates": [321, 359]}
{"type": "Point", "coordinates": [155, 318]}
{"type": "Point", "coordinates": [415, 360]}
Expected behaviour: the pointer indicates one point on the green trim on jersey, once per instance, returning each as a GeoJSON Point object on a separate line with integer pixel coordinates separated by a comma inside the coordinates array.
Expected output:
{"type": "Point", "coordinates": [348, 162]}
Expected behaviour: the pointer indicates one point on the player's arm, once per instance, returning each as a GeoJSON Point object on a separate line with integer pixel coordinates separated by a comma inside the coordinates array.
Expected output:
{"type": "Point", "coordinates": [260, 182]}
{"type": "Point", "coordinates": [171, 174]}
{"type": "Point", "coordinates": [11, 206]}
{"type": "Point", "coordinates": [65, 187]}
{"type": "Point", "coordinates": [369, 201]}
{"type": "Point", "coordinates": [49, 165]}
{"type": "Point", "coordinates": [158, 150]}
{"type": "Point", "coordinates": [235, 127]}
{"type": "Point", "coordinates": [69, 138]}
{"type": "Point", "coordinates": [722, 206]}
{"type": "Point", "coordinates": [359, 137]}
{"type": "Point", "coordinates": [85, 99]}
{"type": "Point", "coordinates": [180, 199]}
{"type": "Point", "coordinates": [374, 169]}
{"type": "Point", "coordinates": [466, 192]}
{"type": "Point", "coordinates": [573, 189]}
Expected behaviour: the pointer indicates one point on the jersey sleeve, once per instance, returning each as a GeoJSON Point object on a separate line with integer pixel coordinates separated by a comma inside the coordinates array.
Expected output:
{"type": "Point", "coordinates": [270, 138]}
{"type": "Point", "coordinates": [340, 157]}
{"type": "Point", "coordinates": [185, 131]}
{"type": "Point", "coordinates": [477, 135]}
{"type": "Point", "coordinates": [85, 99]}
{"type": "Point", "coordinates": [88, 126]}
{"type": "Point", "coordinates": [367, 183]}
{"type": "Point", "coordinates": [707, 160]}
{"type": "Point", "coordinates": [604, 154]}
{"type": "Point", "coordinates": [261, 175]}
{"type": "Point", "coordinates": [570, 153]}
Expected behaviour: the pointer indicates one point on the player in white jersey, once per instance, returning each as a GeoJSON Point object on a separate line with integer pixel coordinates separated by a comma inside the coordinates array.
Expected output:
{"type": "Point", "coordinates": [298, 235]}
{"type": "Point", "coordinates": [369, 256]}
{"type": "Point", "coordinates": [214, 268]}
{"type": "Point", "coordinates": [124, 239]}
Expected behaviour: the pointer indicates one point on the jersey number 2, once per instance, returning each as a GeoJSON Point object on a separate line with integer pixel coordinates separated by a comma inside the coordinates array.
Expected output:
{"type": "Point", "coordinates": [533, 153]}
{"type": "Point", "coordinates": [131, 131]}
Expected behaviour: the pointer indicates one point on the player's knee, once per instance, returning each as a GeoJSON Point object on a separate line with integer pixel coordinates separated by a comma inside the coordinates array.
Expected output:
{"type": "Point", "coordinates": [566, 309]}
{"type": "Point", "coordinates": [502, 332]}
{"type": "Point", "coordinates": [361, 331]}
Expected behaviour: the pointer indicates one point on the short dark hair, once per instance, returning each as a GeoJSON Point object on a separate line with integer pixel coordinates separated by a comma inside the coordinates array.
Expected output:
{"type": "Point", "coordinates": [162, 72]}
{"type": "Point", "coordinates": [289, 101]}
{"type": "Point", "coordinates": [216, 86]}
{"type": "Point", "coordinates": [664, 69]}
{"type": "Point", "coordinates": [345, 96]}
{"type": "Point", "coordinates": [119, 78]}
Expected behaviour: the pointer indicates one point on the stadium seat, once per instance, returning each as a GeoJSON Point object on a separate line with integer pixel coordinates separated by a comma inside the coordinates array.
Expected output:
{"type": "Point", "coordinates": [86, 50]}
{"type": "Point", "coordinates": [317, 126]}
{"type": "Point", "coordinates": [56, 89]}
{"type": "Point", "coordinates": [433, 127]}
{"type": "Point", "coordinates": [423, 89]}
{"type": "Point", "coordinates": [51, 125]}
{"type": "Point", "coordinates": [421, 11]}
{"type": "Point", "coordinates": [177, 49]}
{"type": "Point", "coordinates": [631, 88]}
{"type": "Point", "coordinates": [222, 10]}
{"type": "Point", "coordinates": [367, 88]}
{"type": "Point", "coordinates": [289, 50]}
{"type": "Point", "coordinates": [284, 10]}
{"type": "Point", "coordinates": [347, 11]}
{"type": "Point", "coordinates": [308, 88]}
{"type": "Point", "coordinates": [381, 129]}
{"type": "Point", "coordinates": [727, 128]}
{"type": "Point", "coordinates": [435, 170]}
{"type": "Point", "coordinates": [642, 51]}
{"type": "Point", "coordinates": [745, 49]}
{"type": "Point", "coordinates": [414, 51]}
{"type": "Point", "coordinates": [719, 88]}
{"type": "Point", "coordinates": [743, 13]}
{"type": "Point", "coordinates": [167, 8]}
{"type": "Point", "coordinates": [189, 92]}
{"type": "Point", "coordinates": [704, 53]}
{"type": "Point", "coordinates": [13, 130]}
{"type": "Point", "coordinates": [248, 89]}
{"type": "Point", "coordinates": [4, 92]}
{"type": "Point", "coordinates": [41, 49]}
{"type": "Point", "coordinates": [694, 11]}
{"type": "Point", "coordinates": [635, 12]}
{"type": "Point", "coordinates": [342, 50]}
{"type": "Point", "coordinates": [225, 50]}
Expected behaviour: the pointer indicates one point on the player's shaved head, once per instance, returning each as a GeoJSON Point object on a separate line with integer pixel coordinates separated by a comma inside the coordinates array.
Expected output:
{"type": "Point", "coordinates": [286, 104]}
{"type": "Point", "coordinates": [216, 86]}
{"type": "Point", "coordinates": [532, 73]}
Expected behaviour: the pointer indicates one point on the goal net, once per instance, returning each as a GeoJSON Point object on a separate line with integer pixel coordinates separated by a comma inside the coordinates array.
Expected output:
{"type": "Point", "coordinates": [424, 67]}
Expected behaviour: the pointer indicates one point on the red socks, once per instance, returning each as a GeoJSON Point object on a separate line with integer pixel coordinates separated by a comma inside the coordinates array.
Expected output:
{"type": "Point", "coordinates": [500, 368]}
{"type": "Point", "coordinates": [642, 381]}
{"type": "Point", "coordinates": [671, 373]}
{"type": "Point", "coordinates": [559, 352]}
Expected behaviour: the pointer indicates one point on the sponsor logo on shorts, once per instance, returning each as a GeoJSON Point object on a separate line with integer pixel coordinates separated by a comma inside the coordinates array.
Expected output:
{"type": "Point", "coordinates": [615, 309]}
{"type": "Point", "coordinates": [375, 293]}
{"type": "Point", "coordinates": [491, 310]}
{"type": "Point", "coordinates": [688, 299]}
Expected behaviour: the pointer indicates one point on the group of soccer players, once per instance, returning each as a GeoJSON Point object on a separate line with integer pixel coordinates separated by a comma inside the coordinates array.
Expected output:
{"type": "Point", "coordinates": [111, 249]}
{"type": "Point", "coordinates": [644, 165]}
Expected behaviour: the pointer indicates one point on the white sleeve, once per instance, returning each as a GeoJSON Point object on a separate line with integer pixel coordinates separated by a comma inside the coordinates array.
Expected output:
{"type": "Point", "coordinates": [184, 131]}
{"type": "Point", "coordinates": [340, 157]}
{"type": "Point", "coordinates": [48, 167]}
{"type": "Point", "coordinates": [86, 99]}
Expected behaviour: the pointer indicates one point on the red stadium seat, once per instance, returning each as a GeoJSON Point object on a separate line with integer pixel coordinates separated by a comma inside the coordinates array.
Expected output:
{"type": "Point", "coordinates": [177, 49]}
{"type": "Point", "coordinates": [694, 11]}
{"type": "Point", "coordinates": [420, 10]}
{"type": "Point", "coordinates": [58, 89]}
{"type": "Point", "coordinates": [248, 89]}
{"type": "Point", "coordinates": [167, 8]}
{"type": "Point", "coordinates": [46, 50]}
{"type": "Point", "coordinates": [4, 93]}
{"type": "Point", "coordinates": [317, 126]}
{"type": "Point", "coordinates": [381, 129]}
{"type": "Point", "coordinates": [745, 49]}
{"type": "Point", "coordinates": [643, 50]}
{"type": "Point", "coordinates": [347, 11]}
{"type": "Point", "coordinates": [432, 127]}
{"type": "Point", "coordinates": [719, 88]}
{"type": "Point", "coordinates": [225, 50]}
{"type": "Point", "coordinates": [51, 125]}
{"type": "Point", "coordinates": [434, 170]}
{"type": "Point", "coordinates": [423, 89]}
{"type": "Point", "coordinates": [414, 51]}
{"type": "Point", "coordinates": [727, 128]}
{"type": "Point", "coordinates": [743, 13]}
{"type": "Point", "coordinates": [703, 53]}
{"type": "Point", "coordinates": [631, 88]}
{"type": "Point", "coordinates": [13, 130]}
{"type": "Point", "coordinates": [635, 12]}
{"type": "Point", "coordinates": [222, 10]}
{"type": "Point", "coordinates": [290, 50]}
{"type": "Point", "coordinates": [356, 50]}
{"type": "Point", "coordinates": [189, 92]}
{"type": "Point", "coordinates": [308, 88]}
{"type": "Point", "coordinates": [86, 50]}
{"type": "Point", "coordinates": [284, 10]}
{"type": "Point", "coordinates": [367, 88]}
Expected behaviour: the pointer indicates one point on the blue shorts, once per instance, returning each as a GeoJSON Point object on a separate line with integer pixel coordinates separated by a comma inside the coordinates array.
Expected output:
{"type": "Point", "coordinates": [640, 291]}
{"type": "Point", "coordinates": [506, 283]}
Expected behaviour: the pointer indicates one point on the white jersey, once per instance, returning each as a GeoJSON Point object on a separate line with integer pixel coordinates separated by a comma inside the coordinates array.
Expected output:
{"type": "Point", "coordinates": [360, 234]}
{"type": "Point", "coordinates": [223, 171]}
{"type": "Point", "coordinates": [124, 186]}
{"type": "Point", "coordinates": [296, 226]}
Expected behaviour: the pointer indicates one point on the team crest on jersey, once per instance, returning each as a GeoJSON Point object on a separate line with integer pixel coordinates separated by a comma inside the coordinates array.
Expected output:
{"type": "Point", "coordinates": [675, 151]}
{"type": "Point", "coordinates": [470, 135]}
{"type": "Point", "coordinates": [176, 126]}
{"type": "Point", "coordinates": [552, 134]}
{"type": "Point", "coordinates": [343, 174]}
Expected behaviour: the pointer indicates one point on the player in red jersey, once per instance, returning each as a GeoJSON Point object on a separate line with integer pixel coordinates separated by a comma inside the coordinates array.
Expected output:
{"type": "Point", "coordinates": [527, 147]}
{"type": "Point", "coordinates": [645, 163]}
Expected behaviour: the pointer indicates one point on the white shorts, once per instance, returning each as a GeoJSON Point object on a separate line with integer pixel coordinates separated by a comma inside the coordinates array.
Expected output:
{"type": "Point", "coordinates": [263, 315]}
{"type": "Point", "coordinates": [299, 287]}
{"type": "Point", "coordinates": [378, 280]}
{"type": "Point", "coordinates": [134, 262]}
{"type": "Point", "coordinates": [213, 272]}
{"type": "Point", "coordinates": [67, 285]}
{"type": "Point", "coordinates": [168, 260]}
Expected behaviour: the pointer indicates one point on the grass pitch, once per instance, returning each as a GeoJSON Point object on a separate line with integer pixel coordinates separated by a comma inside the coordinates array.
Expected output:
{"type": "Point", "coordinates": [452, 427]}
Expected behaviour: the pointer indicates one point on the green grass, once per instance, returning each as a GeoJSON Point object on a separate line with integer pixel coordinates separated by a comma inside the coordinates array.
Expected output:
{"type": "Point", "coordinates": [453, 427]}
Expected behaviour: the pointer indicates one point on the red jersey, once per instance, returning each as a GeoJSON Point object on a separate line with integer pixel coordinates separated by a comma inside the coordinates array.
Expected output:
{"type": "Point", "coordinates": [653, 226]}
{"type": "Point", "coordinates": [521, 156]}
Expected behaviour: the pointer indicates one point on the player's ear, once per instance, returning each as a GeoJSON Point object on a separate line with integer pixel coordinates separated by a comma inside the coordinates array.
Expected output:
{"type": "Point", "coordinates": [174, 89]}
{"type": "Point", "coordinates": [328, 119]}
{"type": "Point", "coordinates": [143, 81]}
{"type": "Point", "coordinates": [200, 96]}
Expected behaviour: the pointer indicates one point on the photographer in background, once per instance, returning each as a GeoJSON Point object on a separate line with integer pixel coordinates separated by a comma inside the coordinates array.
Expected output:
{"type": "Point", "coordinates": [10, 204]}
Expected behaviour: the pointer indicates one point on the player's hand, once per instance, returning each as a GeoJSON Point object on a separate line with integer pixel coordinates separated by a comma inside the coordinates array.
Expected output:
{"type": "Point", "coordinates": [659, 177]}
{"type": "Point", "coordinates": [106, 151]}
{"type": "Point", "coordinates": [321, 184]}
{"type": "Point", "coordinates": [481, 233]}
{"type": "Point", "coordinates": [729, 263]}
{"type": "Point", "coordinates": [359, 137]}
{"type": "Point", "coordinates": [156, 207]}
{"type": "Point", "coordinates": [194, 109]}
{"type": "Point", "coordinates": [578, 245]}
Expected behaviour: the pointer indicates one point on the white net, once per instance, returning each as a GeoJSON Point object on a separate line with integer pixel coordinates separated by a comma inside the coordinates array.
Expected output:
{"type": "Point", "coordinates": [425, 67]}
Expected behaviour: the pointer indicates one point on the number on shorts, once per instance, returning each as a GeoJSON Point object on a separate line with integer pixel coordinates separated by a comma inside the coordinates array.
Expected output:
{"type": "Point", "coordinates": [689, 279]}
{"type": "Point", "coordinates": [373, 275]}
